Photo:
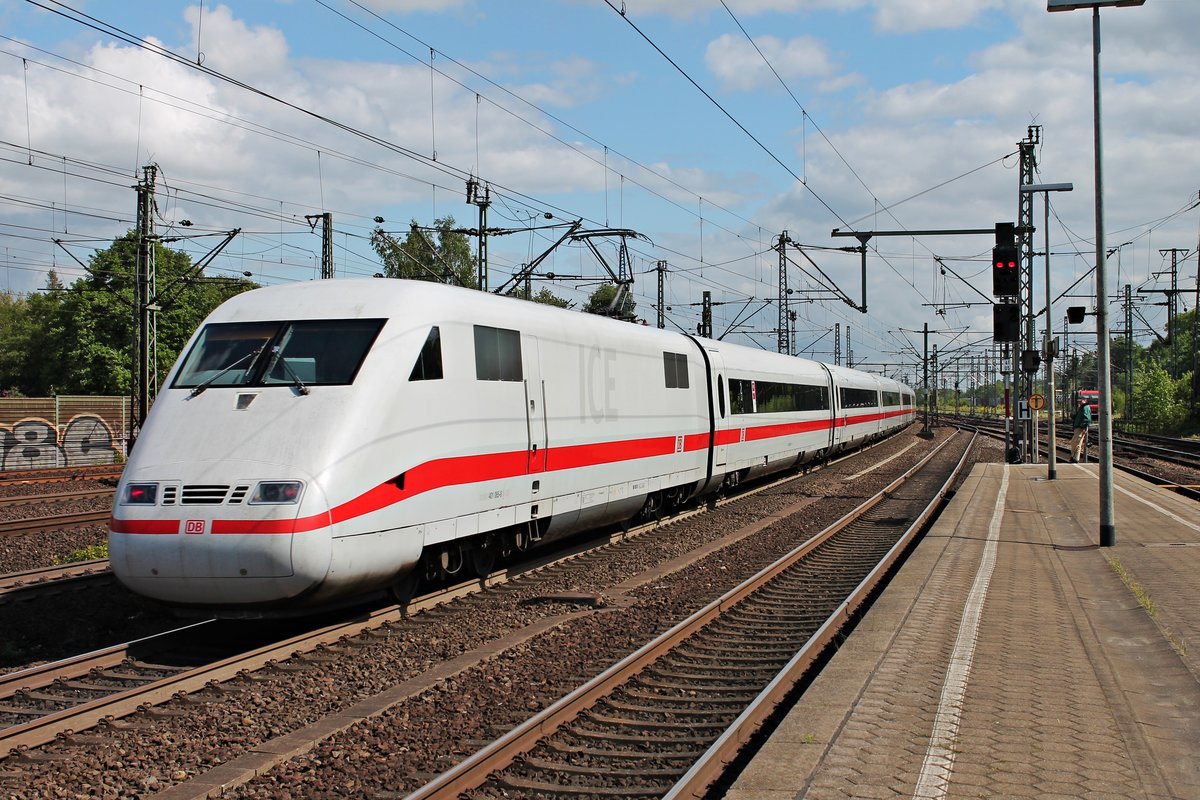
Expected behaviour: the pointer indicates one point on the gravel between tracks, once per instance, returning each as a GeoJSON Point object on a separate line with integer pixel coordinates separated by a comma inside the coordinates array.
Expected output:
{"type": "Point", "coordinates": [34, 550]}
{"type": "Point", "coordinates": [396, 751]}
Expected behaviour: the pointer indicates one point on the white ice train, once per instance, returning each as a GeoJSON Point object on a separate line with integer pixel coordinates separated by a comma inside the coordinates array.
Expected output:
{"type": "Point", "coordinates": [321, 441]}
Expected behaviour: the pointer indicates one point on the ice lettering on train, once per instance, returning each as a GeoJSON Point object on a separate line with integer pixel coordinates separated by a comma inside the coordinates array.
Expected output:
{"type": "Point", "coordinates": [597, 384]}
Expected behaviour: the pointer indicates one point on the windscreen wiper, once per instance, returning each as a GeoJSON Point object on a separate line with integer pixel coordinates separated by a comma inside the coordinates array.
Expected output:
{"type": "Point", "coordinates": [299, 384]}
{"type": "Point", "coordinates": [200, 387]}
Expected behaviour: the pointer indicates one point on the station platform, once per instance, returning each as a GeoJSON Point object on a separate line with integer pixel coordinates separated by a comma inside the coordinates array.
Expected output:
{"type": "Point", "coordinates": [1011, 656]}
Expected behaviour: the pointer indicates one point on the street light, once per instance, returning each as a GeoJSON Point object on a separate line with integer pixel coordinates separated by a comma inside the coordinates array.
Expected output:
{"type": "Point", "coordinates": [1052, 440]}
{"type": "Point", "coordinates": [1108, 525]}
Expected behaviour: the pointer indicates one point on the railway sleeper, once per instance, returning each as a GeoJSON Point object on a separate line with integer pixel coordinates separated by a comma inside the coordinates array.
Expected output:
{"type": "Point", "coordinates": [691, 697]}
{"type": "Point", "coordinates": [84, 686]}
{"type": "Point", "coordinates": [121, 675]}
{"type": "Point", "coordinates": [50, 697]}
{"type": "Point", "coordinates": [721, 657]}
{"type": "Point", "coordinates": [700, 742]}
{"type": "Point", "coordinates": [82, 740]}
{"type": "Point", "coordinates": [129, 724]}
{"type": "Point", "coordinates": [172, 669]}
{"type": "Point", "coordinates": [792, 632]}
{"type": "Point", "coordinates": [728, 675]}
{"type": "Point", "coordinates": [666, 706]}
{"type": "Point", "coordinates": [38, 756]}
{"type": "Point", "coordinates": [718, 648]}
{"type": "Point", "coordinates": [557, 789]}
{"type": "Point", "coordinates": [166, 713]}
{"type": "Point", "coordinates": [21, 712]}
{"type": "Point", "coordinates": [683, 756]}
{"type": "Point", "coordinates": [567, 767]}
{"type": "Point", "coordinates": [659, 728]}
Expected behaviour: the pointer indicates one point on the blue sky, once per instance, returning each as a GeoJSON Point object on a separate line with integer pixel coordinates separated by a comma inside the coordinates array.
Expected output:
{"type": "Point", "coordinates": [903, 114]}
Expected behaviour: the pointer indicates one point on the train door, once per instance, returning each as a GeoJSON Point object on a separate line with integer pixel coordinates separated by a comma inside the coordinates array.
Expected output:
{"type": "Point", "coordinates": [721, 416]}
{"type": "Point", "coordinates": [833, 407]}
{"type": "Point", "coordinates": [535, 405]}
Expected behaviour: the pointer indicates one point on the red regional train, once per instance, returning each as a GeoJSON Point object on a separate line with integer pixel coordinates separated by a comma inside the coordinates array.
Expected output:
{"type": "Point", "coordinates": [318, 442]}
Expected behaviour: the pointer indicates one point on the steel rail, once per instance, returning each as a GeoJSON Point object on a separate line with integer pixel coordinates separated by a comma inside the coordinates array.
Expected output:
{"type": "Point", "coordinates": [75, 666]}
{"type": "Point", "coordinates": [22, 527]}
{"type": "Point", "coordinates": [44, 729]}
{"type": "Point", "coordinates": [58, 475]}
{"type": "Point", "coordinates": [989, 428]}
{"type": "Point", "coordinates": [20, 585]}
{"type": "Point", "coordinates": [31, 499]}
{"type": "Point", "coordinates": [475, 770]}
{"type": "Point", "coordinates": [710, 767]}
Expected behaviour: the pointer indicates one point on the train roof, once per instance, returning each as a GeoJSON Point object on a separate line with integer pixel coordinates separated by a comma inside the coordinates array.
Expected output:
{"type": "Point", "coordinates": [424, 302]}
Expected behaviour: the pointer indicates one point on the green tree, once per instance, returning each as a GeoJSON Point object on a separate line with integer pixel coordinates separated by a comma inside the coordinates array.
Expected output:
{"type": "Point", "coordinates": [13, 327]}
{"type": "Point", "coordinates": [29, 340]}
{"type": "Point", "coordinates": [79, 340]}
{"type": "Point", "coordinates": [419, 257]}
{"type": "Point", "coordinates": [549, 298]}
{"type": "Point", "coordinates": [1158, 400]}
{"type": "Point", "coordinates": [543, 296]}
{"type": "Point", "coordinates": [603, 301]}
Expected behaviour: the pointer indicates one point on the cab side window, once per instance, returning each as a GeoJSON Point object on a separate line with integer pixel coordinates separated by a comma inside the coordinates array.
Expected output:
{"type": "Point", "coordinates": [429, 362]}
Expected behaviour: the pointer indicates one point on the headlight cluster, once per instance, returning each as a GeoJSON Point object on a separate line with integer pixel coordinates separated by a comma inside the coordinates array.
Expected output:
{"type": "Point", "coordinates": [276, 493]}
{"type": "Point", "coordinates": [140, 494]}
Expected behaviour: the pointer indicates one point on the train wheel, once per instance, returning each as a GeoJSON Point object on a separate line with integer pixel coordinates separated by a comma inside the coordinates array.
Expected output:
{"type": "Point", "coordinates": [483, 556]}
{"type": "Point", "coordinates": [674, 497]}
{"type": "Point", "coordinates": [654, 506]}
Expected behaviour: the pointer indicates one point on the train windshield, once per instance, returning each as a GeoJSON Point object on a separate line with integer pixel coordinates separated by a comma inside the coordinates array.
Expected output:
{"type": "Point", "coordinates": [299, 353]}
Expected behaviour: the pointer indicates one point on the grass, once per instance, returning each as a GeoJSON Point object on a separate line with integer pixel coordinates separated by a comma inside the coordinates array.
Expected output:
{"type": "Point", "coordinates": [1134, 587]}
{"type": "Point", "coordinates": [88, 553]}
{"type": "Point", "coordinates": [1147, 603]}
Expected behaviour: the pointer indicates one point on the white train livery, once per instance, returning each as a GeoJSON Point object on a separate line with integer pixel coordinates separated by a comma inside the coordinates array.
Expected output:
{"type": "Point", "coordinates": [318, 442]}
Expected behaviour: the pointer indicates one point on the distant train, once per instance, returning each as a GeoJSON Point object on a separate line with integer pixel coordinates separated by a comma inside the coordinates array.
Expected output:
{"type": "Point", "coordinates": [317, 442]}
{"type": "Point", "coordinates": [1093, 399]}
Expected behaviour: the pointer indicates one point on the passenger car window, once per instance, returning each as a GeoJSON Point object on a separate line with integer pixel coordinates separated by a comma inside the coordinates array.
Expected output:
{"type": "Point", "coordinates": [675, 370]}
{"type": "Point", "coordinates": [497, 354]}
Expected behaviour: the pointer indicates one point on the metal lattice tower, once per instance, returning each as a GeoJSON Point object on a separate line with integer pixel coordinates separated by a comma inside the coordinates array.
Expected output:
{"type": "Point", "coordinates": [1025, 248]}
{"type": "Point", "coordinates": [783, 334]}
{"type": "Point", "coordinates": [146, 344]}
{"type": "Point", "coordinates": [661, 267]}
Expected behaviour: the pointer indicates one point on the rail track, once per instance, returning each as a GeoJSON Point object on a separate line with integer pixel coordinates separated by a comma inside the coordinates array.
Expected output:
{"type": "Point", "coordinates": [59, 475]}
{"type": "Point", "coordinates": [41, 704]}
{"type": "Point", "coordinates": [58, 497]}
{"type": "Point", "coordinates": [21, 586]}
{"type": "Point", "coordinates": [113, 682]}
{"type": "Point", "coordinates": [1128, 451]}
{"type": "Point", "coordinates": [21, 527]}
{"type": "Point", "coordinates": [666, 720]}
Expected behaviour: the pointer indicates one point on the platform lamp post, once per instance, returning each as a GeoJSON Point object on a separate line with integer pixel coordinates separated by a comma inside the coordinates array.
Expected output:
{"type": "Point", "coordinates": [1048, 350]}
{"type": "Point", "coordinates": [1108, 525]}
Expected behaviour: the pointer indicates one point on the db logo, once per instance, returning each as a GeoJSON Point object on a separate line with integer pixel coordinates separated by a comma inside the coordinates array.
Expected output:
{"type": "Point", "coordinates": [194, 526]}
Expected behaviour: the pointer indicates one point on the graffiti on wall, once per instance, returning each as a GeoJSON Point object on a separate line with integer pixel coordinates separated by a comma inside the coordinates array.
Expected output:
{"type": "Point", "coordinates": [35, 443]}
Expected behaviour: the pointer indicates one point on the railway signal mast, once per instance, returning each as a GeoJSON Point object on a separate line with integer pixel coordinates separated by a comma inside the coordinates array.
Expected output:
{"type": "Point", "coordinates": [1108, 521]}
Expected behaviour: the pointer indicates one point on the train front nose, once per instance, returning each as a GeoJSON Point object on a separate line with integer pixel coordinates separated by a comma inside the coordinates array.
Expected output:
{"type": "Point", "coordinates": [242, 542]}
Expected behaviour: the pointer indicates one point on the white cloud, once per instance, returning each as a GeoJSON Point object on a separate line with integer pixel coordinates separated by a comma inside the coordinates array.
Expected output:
{"type": "Point", "coordinates": [229, 45]}
{"type": "Point", "coordinates": [902, 138]}
{"type": "Point", "coordinates": [740, 67]}
{"type": "Point", "coordinates": [908, 16]}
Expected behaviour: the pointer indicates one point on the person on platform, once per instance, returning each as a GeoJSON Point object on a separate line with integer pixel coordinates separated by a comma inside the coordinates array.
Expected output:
{"type": "Point", "coordinates": [1083, 421]}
